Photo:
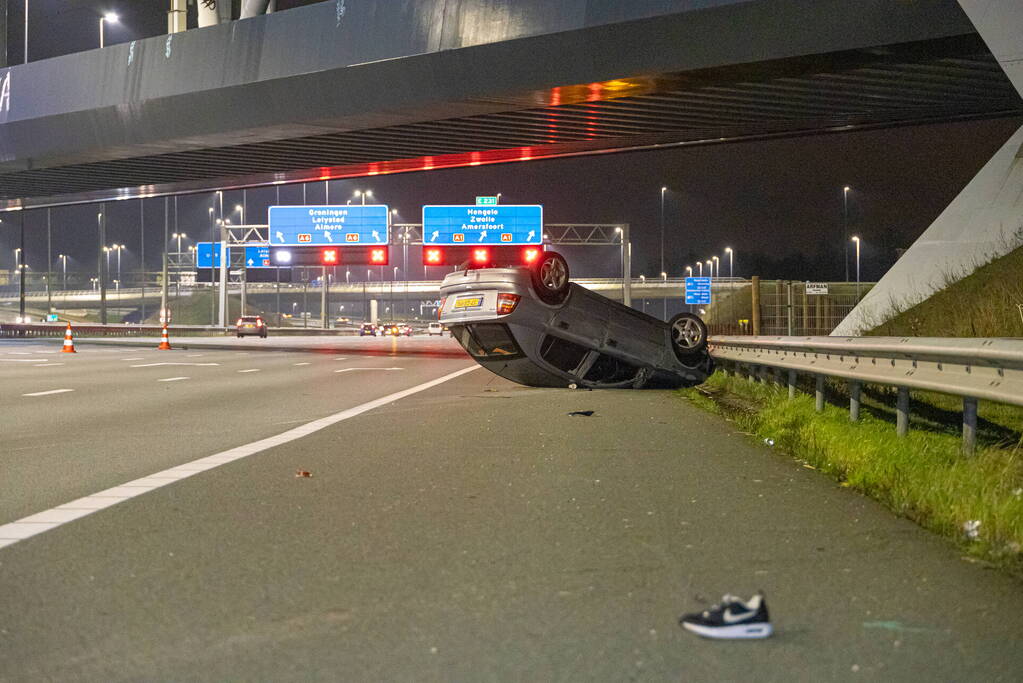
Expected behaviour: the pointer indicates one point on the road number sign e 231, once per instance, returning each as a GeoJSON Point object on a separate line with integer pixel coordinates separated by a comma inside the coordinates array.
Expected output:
{"type": "Point", "coordinates": [816, 288]}
{"type": "Point", "coordinates": [467, 224]}
{"type": "Point", "coordinates": [698, 290]}
{"type": "Point", "coordinates": [328, 225]}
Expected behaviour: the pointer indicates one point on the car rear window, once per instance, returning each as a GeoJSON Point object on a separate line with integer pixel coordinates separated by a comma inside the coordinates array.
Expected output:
{"type": "Point", "coordinates": [487, 340]}
{"type": "Point", "coordinates": [561, 353]}
{"type": "Point", "coordinates": [609, 370]}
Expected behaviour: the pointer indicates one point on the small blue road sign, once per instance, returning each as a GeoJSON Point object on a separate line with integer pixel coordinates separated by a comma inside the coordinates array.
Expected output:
{"type": "Point", "coordinates": [355, 224]}
{"type": "Point", "coordinates": [257, 256]}
{"type": "Point", "coordinates": [698, 290]}
{"type": "Point", "coordinates": [203, 257]}
{"type": "Point", "coordinates": [470, 224]}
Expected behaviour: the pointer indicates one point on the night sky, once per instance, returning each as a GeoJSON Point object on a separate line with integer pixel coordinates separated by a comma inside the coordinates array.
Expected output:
{"type": "Point", "coordinates": [777, 203]}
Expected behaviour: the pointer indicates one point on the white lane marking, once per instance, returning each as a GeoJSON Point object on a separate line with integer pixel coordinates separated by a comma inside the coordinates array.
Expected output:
{"type": "Point", "coordinates": [342, 358]}
{"type": "Point", "coordinates": [153, 365]}
{"type": "Point", "coordinates": [194, 355]}
{"type": "Point", "coordinates": [250, 370]}
{"type": "Point", "coordinates": [47, 393]}
{"type": "Point", "coordinates": [303, 363]}
{"type": "Point", "coordinates": [19, 360]}
{"type": "Point", "coordinates": [139, 358]}
{"type": "Point", "coordinates": [26, 527]}
{"type": "Point", "coordinates": [357, 369]}
{"type": "Point", "coordinates": [171, 379]}
{"type": "Point", "coordinates": [46, 365]}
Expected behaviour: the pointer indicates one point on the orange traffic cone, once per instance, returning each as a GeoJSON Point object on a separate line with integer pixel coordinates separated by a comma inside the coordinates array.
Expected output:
{"type": "Point", "coordinates": [164, 341]}
{"type": "Point", "coordinates": [69, 341]}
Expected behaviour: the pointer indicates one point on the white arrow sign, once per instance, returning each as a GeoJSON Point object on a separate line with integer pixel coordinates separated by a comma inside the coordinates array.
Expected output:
{"type": "Point", "coordinates": [280, 236]}
{"type": "Point", "coordinates": [483, 236]}
{"type": "Point", "coordinates": [250, 262]}
{"type": "Point", "coordinates": [376, 235]}
{"type": "Point", "coordinates": [326, 236]}
{"type": "Point", "coordinates": [530, 235]}
{"type": "Point", "coordinates": [434, 236]}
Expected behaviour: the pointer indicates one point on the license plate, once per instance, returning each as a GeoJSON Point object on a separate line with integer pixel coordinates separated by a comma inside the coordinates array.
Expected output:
{"type": "Point", "coordinates": [468, 302]}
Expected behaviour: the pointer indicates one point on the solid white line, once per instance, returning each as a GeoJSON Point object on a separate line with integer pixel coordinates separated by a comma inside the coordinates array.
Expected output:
{"type": "Point", "coordinates": [357, 369]}
{"type": "Point", "coordinates": [51, 391]}
{"type": "Point", "coordinates": [33, 525]}
{"type": "Point", "coordinates": [19, 360]}
{"type": "Point", "coordinates": [46, 365]}
{"type": "Point", "coordinates": [170, 379]}
{"type": "Point", "coordinates": [302, 363]}
{"type": "Point", "coordinates": [250, 370]}
{"type": "Point", "coordinates": [139, 358]}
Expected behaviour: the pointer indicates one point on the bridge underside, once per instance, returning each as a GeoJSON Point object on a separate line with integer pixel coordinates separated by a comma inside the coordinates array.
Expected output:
{"type": "Point", "coordinates": [943, 78]}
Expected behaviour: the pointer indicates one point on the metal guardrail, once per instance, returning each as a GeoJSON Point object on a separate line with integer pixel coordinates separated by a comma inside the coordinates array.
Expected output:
{"type": "Point", "coordinates": [989, 369]}
{"type": "Point", "coordinates": [50, 330]}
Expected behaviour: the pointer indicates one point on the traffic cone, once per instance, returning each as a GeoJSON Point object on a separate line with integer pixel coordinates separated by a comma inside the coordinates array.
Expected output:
{"type": "Point", "coordinates": [164, 341]}
{"type": "Point", "coordinates": [69, 341]}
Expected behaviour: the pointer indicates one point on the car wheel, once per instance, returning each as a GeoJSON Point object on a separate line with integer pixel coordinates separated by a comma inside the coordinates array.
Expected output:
{"type": "Point", "coordinates": [239, 336]}
{"type": "Point", "coordinates": [550, 278]}
{"type": "Point", "coordinates": [688, 335]}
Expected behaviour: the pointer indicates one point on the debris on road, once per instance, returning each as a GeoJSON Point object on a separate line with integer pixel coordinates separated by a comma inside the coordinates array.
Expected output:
{"type": "Point", "coordinates": [731, 619]}
{"type": "Point", "coordinates": [769, 442]}
{"type": "Point", "coordinates": [303, 473]}
{"type": "Point", "coordinates": [583, 413]}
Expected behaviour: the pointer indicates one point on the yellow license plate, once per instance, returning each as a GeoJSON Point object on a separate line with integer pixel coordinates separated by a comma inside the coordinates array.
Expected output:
{"type": "Point", "coordinates": [469, 302]}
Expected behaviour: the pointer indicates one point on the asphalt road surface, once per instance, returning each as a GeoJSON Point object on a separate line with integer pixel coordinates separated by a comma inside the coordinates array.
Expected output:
{"type": "Point", "coordinates": [454, 526]}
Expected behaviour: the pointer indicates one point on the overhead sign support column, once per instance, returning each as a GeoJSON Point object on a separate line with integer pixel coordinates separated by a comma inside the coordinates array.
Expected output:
{"type": "Point", "coordinates": [224, 271]}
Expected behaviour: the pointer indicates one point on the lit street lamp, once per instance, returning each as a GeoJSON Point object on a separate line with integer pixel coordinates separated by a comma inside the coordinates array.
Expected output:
{"type": "Point", "coordinates": [699, 264]}
{"type": "Point", "coordinates": [717, 265]}
{"type": "Point", "coordinates": [663, 190]}
{"type": "Point", "coordinates": [731, 261]}
{"type": "Point", "coordinates": [178, 236]}
{"type": "Point", "coordinates": [118, 248]}
{"type": "Point", "coordinates": [642, 279]}
{"type": "Point", "coordinates": [241, 212]}
{"type": "Point", "coordinates": [63, 264]}
{"type": "Point", "coordinates": [689, 271]}
{"type": "Point", "coordinates": [108, 18]}
{"type": "Point", "coordinates": [664, 296]}
{"type": "Point", "coordinates": [710, 267]}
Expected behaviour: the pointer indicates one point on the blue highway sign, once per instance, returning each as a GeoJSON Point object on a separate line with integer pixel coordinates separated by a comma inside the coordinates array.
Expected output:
{"type": "Point", "coordinates": [698, 290]}
{"type": "Point", "coordinates": [257, 256]}
{"type": "Point", "coordinates": [470, 224]}
{"type": "Point", "coordinates": [203, 257]}
{"type": "Point", "coordinates": [328, 225]}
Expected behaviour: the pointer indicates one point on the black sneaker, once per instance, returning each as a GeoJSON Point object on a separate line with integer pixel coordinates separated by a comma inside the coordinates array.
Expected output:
{"type": "Point", "coordinates": [731, 618]}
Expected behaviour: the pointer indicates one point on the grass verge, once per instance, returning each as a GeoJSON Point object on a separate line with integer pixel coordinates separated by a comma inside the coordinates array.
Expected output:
{"type": "Point", "coordinates": [923, 477]}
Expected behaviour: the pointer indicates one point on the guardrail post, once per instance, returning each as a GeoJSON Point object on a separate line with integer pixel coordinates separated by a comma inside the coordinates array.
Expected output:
{"type": "Point", "coordinates": [854, 401]}
{"type": "Point", "coordinates": [902, 412]}
{"type": "Point", "coordinates": [792, 384]}
{"type": "Point", "coordinates": [969, 425]}
{"type": "Point", "coordinates": [819, 394]}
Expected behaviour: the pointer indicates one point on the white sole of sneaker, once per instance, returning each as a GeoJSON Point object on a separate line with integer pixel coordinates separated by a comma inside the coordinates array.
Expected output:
{"type": "Point", "coordinates": [737, 632]}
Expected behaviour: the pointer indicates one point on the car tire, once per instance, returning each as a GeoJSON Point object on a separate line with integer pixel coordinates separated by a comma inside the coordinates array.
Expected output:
{"type": "Point", "coordinates": [550, 278]}
{"type": "Point", "coordinates": [688, 336]}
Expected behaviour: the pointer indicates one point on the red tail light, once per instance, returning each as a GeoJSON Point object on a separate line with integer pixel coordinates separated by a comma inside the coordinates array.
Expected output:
{"type": "Point", "coordinates": [530, 255]}
{"type": "Point", "coordinates": [506, 303]}
{"type": "Point", "coordinates": [481, 257]}
{"type": "Point", "coordinates": [434, 257]}
{"type": "Point", "coordinates": [378, 256]}
{"type": "Point", "coordinates": [239, 322]}
{"type": "Point", "coordinates": [441, 307]}
{"type": "Point", "coordinates": [259, 323]}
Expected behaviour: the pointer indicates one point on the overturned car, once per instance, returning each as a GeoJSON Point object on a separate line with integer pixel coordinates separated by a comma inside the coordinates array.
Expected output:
{"type": "Point", "coordinates": [531, 325]}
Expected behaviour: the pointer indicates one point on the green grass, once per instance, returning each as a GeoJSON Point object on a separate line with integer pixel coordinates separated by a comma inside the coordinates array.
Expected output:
{"type": "Point", "coordinates": [923, 476]}
{"type": "Point", "coordinates": [983, 304]}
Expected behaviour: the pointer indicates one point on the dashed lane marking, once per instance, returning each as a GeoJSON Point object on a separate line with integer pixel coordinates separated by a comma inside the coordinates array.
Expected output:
{"type": "Point", "coordinates": [47, 393]}
{"type": "Point", "coordinates": [46, 365]}
{"type": "Point", "coordinates": [303, 363]}
{"type": "Point", "coordinates": [19, 360]}
{"type": "Point", "coordinates": [360, 369]}
{"type": "Point", "coordinates": [153, 365]}
{"type": "Point", "coordinates": [139, 358]}
{"type": "Point", "coordinates": [250, 370]}
{"type": "Point", "coordinates": [171, 379]}
{"type": "Point", "coordinates": [30, 526]}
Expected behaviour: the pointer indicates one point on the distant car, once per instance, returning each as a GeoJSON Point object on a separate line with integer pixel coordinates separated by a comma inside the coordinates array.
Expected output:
{"type": "Point", "coordinates": [405, 330]}
{"type": "Point", "coordinates": [368, 330]}
{"type": "Point", "coordinates": [250, 325]}
{"type": "Point", "coordinates": [435, 329]}
{"type": "Point", "coordinates": [531, 325]}
{"type": "Point", "coordinates": [342, 320]}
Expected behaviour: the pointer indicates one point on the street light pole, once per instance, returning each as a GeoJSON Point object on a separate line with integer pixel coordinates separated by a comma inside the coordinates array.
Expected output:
{"type": "Point", "coordinates": [845, 228]}
{"type": "Point", "coordinates": [663, 190]}
{"type": "Point", "coordinates": [731, 262]}
{"type": "Point", "coordinates": [109, 18]}
{"type": "Point", "coordinates": [856, 239]}
{"type": "Point", "coordinates": [664, 297]}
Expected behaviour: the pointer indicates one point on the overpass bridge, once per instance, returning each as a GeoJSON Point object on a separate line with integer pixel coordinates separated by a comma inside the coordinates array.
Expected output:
{"type": "Point", "coordinates": [383, 87]}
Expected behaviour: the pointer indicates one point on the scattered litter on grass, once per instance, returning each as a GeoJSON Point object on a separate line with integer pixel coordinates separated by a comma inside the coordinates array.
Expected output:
{"type": "Point", "coordinates": [303, 473]}
{"type": "Point", "coordinates": [1017, 492]}
{"type": "Point", "coordinates": [769, 442]}
{"type": "Point", "coordinates": [583, 413]}
{"type": "Point", "coordinates": [972, 529]}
